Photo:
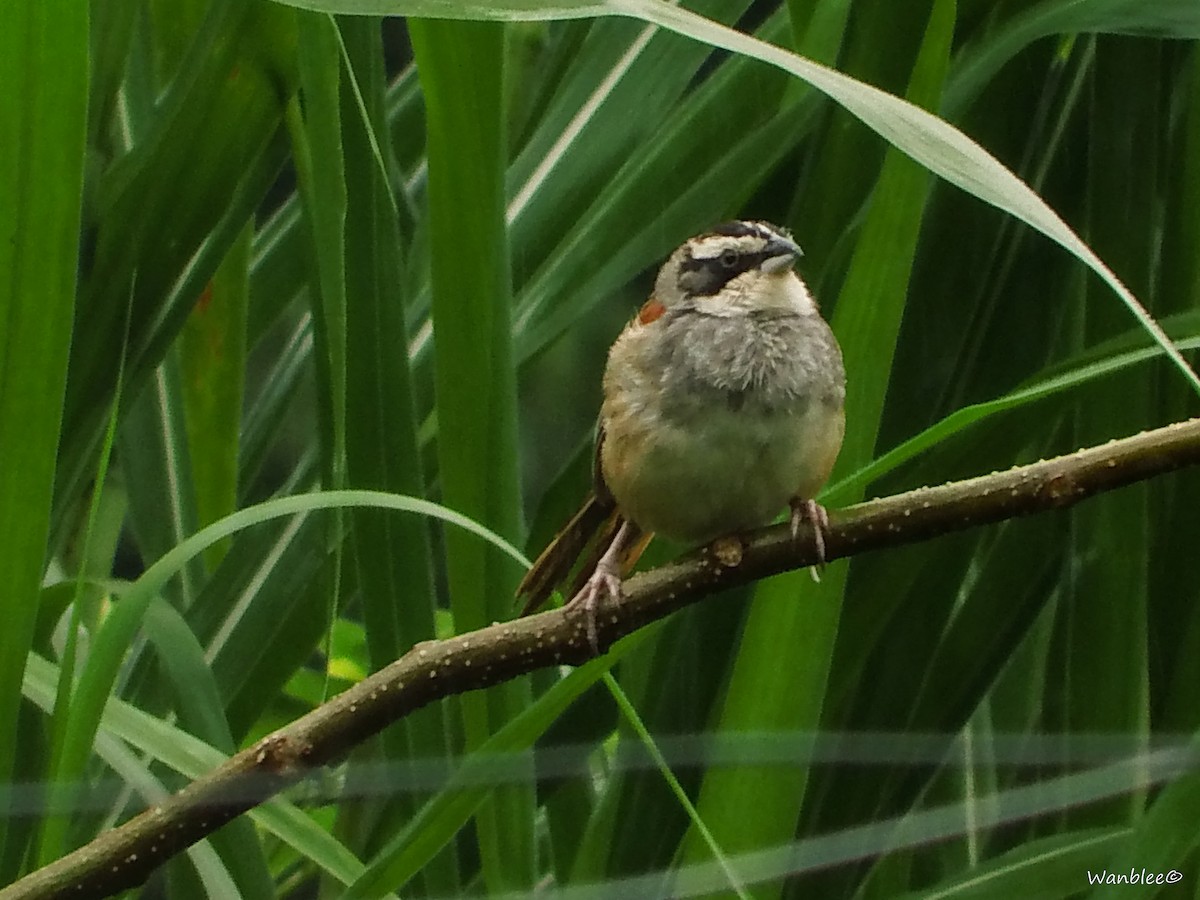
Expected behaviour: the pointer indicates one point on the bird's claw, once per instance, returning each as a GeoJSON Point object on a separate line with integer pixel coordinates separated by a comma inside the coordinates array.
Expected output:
{"type": "Point", "coordinates": [817, 516]}
{"type": "Point", "coordinates": [605, 584]}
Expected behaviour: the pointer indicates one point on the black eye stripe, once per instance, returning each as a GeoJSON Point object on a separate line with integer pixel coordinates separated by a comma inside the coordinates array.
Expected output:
{"type": "Point", "coordinates": [744, 262]}
{"type": "Point", "coordinates": [731, 249]}
{"type": "Point", "coordinates": [706, 276]}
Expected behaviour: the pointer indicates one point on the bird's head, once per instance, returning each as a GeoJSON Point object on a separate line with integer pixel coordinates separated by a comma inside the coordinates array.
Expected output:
{"type": "Point", "coordinates": [737, 268]}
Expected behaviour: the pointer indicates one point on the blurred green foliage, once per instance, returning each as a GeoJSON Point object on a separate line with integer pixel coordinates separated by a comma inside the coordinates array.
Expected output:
{"type": "Point", "coordinates": [275, 256]}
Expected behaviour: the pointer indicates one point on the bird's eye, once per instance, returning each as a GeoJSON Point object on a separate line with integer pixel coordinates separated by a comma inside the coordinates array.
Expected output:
{"type": "Point", "coordinates": [729, 257]}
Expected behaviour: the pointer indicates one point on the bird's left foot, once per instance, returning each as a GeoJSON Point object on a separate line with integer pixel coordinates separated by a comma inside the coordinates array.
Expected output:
{"type": "Point", "coordinates": [604, 585]}
{"type": "Point", "coordinates": [815, 513]}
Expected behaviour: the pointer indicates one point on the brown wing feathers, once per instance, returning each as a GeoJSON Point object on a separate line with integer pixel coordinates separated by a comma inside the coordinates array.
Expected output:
{"type": "Point", "coordinates": [595, 525]}
{"type": "Point", "coordinates": [552, 568]}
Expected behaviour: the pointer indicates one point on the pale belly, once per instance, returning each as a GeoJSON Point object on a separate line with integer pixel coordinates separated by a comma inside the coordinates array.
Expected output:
{"type": "Point", "coordinates": [726, 471]}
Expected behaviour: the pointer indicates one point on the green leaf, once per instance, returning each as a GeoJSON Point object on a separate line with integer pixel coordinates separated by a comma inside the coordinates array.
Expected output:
{"type": "Point", "coordinates": [1161, 839]}
{"type": "Point", "coordinates": [441, 817]}
{"type": "Point", "coordinates": [124, 724]}
{"type": "Point", "coordinates": [1055, 866]}
{"type": "Point", "coordinates": [927, 139]}
{"type": "Point", "coordinates": [393, 572]}
{"type": "Point", "coordinates": [111, 643]}
{"type": "Point", "coordinates": [460, 66]}
{"type": "Point", "coordinates": [167, 210]}
{"type": "Point", "coordinates": [1168, 18]}
{"type": "Point", "coordinates": [932, 142]}
{"type": "Point", "coordinates": [155, 461]}
{"type": "Point", "coordinates": [43, 115]}
{"type": "Point", "coordinates": [201, 713]}
{"type": "Point", "coordinates": [213, 359]}
{"type": "Point", "coordinates": [505, 11]}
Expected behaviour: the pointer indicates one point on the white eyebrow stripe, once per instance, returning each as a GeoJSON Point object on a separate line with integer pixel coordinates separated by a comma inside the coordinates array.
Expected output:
{"type": "Point", "coordinates": [712, 246]}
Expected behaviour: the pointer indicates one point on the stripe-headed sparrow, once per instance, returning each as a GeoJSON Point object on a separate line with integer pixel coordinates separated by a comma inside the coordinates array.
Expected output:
{"type": "Point", "coordinates": [723, 403]}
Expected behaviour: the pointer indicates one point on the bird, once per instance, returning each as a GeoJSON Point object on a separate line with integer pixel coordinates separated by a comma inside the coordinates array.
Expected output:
{"type": "Point", "coordinates": [723, 403]}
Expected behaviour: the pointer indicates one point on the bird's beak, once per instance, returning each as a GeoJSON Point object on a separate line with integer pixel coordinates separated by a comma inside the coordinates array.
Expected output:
{"type": "Point", "coordinates": [780, 255]}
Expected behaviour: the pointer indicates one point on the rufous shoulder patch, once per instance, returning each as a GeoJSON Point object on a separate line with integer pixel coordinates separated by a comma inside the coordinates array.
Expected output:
{"type": "Point", "coordinates": [651, 310]}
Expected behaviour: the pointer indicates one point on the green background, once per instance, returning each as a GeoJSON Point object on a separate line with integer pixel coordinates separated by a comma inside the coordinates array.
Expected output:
{"type": "Point", "coordinates": [251, 251]}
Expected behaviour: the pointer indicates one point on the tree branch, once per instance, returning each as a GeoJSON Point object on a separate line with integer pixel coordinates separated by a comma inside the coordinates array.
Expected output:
{"type": "Point", "coordinates": [125, 856]}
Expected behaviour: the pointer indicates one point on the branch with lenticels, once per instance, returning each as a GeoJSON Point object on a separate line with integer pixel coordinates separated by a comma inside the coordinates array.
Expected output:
{"type": "Point", "coordinates": [125, 856]}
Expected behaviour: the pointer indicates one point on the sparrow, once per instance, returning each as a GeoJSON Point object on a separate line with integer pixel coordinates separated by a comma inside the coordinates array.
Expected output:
{"type": "Point", "coordinates": [723, 404]}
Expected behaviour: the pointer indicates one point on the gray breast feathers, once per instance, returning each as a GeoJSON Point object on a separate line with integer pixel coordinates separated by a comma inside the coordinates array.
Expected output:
{"type": "Point", "coordinates": [770, 361]}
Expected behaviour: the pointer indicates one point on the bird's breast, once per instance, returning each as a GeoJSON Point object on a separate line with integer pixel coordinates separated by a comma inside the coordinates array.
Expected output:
{"type": "Point", "coordinates": [707, 440]}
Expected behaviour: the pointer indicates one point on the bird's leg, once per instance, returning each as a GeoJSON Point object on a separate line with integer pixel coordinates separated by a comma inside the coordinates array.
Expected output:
{"type": "Point", "coordinates": [819, 519]}
{"type": "Point", "coordinates": [604, 582]}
